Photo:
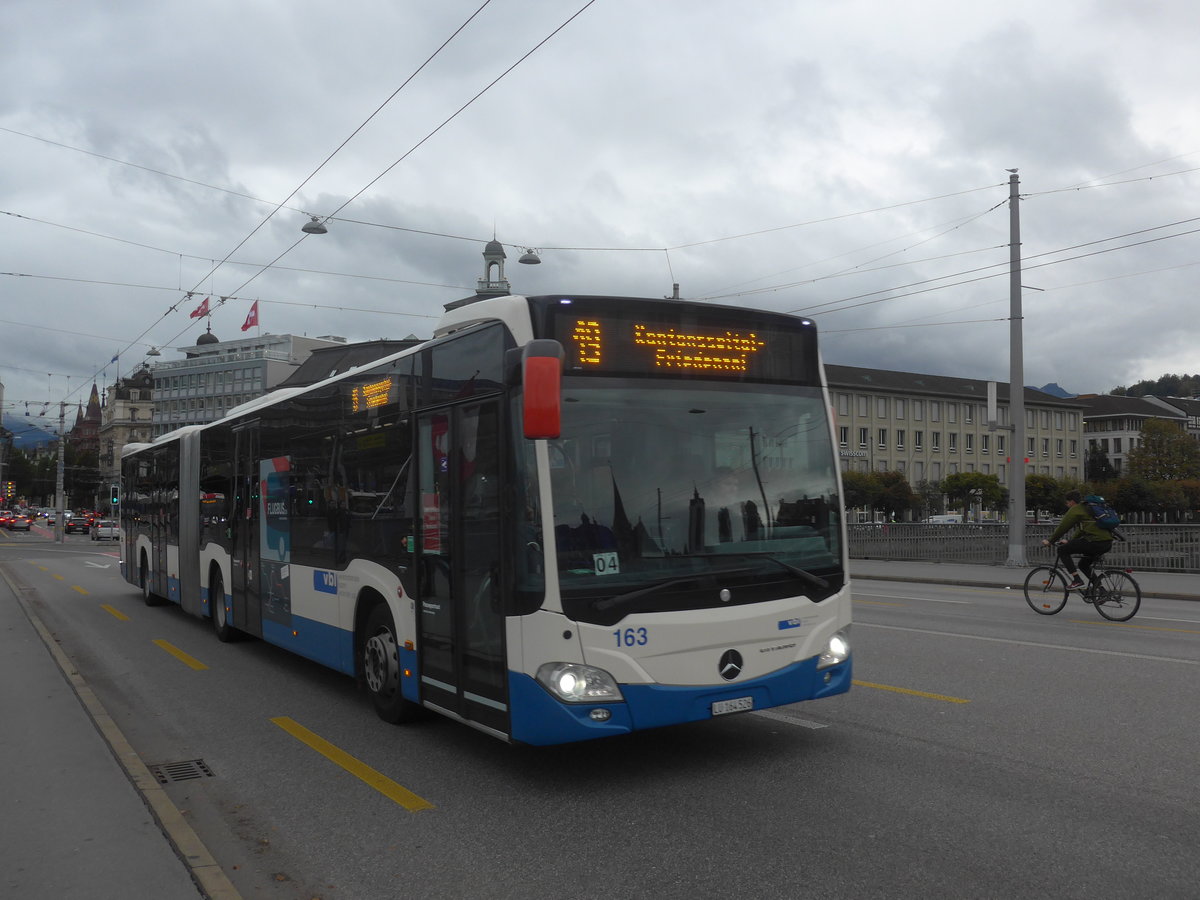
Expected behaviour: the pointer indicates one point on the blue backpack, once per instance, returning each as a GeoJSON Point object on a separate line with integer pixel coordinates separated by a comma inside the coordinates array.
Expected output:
{"type": "Point", "coordinates": [1106, 517]}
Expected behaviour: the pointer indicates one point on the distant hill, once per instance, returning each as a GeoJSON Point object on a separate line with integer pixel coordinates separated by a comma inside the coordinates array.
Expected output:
{"type": "Point", "coordinates": [25, 435]}
{"type": "Point", "coordinates": [1055, 391]}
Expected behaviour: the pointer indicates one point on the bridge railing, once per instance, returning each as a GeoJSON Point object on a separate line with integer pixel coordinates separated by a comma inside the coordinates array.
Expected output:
{"type": "Point", "coordinates": [1160, 548]}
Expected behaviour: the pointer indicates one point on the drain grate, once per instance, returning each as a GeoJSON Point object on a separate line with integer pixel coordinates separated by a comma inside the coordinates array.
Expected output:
{"type": "Point", "coordinates": [169, 773]}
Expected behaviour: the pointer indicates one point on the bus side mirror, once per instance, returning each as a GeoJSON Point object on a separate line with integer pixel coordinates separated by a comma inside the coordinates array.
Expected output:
{"type": "Point", "coordinates": [541, 372]}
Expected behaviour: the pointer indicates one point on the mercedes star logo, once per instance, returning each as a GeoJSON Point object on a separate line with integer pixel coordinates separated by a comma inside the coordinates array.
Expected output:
{"type": "Point", "coordinates": [730, 665]}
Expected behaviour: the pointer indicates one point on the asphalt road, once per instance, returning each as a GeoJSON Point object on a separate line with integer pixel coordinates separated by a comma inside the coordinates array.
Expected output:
{"type": "Point", "coordinates": [985, 751]}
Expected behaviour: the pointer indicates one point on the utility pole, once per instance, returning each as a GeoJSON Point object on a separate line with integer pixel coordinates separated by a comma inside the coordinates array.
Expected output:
{"type": "Point", "coordinates": [1016, 383]}
{"type": "Point", "coordinates": [60, 497]}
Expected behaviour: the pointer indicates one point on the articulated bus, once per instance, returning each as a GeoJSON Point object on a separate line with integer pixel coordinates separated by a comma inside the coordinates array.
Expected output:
{"type": "Point", "coordinates": [561, 518]}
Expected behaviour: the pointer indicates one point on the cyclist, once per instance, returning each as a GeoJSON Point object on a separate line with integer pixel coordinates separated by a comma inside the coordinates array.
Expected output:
{"type": "Point", "coordinates": [1090, 541]}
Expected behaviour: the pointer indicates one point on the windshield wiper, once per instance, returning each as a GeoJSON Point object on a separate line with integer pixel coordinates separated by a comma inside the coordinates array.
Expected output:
{"type": "Point", "coordinates": [608, 603]}
{"type": "Point", "coordinates": [803, 574]}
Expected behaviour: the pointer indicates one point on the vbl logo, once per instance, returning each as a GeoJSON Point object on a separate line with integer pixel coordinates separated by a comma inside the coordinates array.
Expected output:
{"type": "Point", "coordinates": [326, 582]}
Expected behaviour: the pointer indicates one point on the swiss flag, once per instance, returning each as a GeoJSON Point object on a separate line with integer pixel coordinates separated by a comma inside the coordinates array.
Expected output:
{"type": "Point", "coordinates": [201, 310]}
{"type": "Point", "coordinates": [251, 317]}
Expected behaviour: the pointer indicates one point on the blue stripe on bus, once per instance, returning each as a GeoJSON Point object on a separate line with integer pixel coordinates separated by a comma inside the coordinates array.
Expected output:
{"type": "Point", "coordinates": [327, 644]}
{"type": "Point", "coordinates": [538, 718]}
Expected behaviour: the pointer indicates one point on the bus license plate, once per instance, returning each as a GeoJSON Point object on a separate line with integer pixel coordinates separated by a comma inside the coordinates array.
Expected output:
{"type": "Point", "coordinates": [739, 704]}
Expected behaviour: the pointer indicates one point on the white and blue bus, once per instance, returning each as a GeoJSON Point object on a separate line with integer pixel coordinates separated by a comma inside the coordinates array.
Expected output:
{"type": "Point", "coordinates": [561, 518]}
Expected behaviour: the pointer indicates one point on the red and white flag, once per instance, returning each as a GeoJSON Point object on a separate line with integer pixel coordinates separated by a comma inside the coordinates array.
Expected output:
{"type": "Point", "coordinates": [251, 317]}
{"type": "Point", "coordinates": [201, 310]}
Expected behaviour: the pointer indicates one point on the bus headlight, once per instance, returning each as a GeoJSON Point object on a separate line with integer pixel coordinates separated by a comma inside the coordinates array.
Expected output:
{"type": "Point", "coordinates": [577, 683]}
{"type": "Point", "coordinates": [836, 651]}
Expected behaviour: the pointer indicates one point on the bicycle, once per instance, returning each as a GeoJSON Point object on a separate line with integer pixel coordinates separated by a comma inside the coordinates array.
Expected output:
{"type": "Point", "coordinates": [1114, 592]}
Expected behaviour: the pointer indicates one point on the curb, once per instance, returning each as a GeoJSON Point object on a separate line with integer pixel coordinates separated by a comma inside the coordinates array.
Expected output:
{"type": "Point", "coordinates": [206, 872]}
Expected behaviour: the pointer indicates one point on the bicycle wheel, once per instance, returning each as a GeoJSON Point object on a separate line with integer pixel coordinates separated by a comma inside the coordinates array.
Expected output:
{"type": "Point", "coordinates": [1117, 596]}
{"type": "Point", "coordinates": [1046, 590]}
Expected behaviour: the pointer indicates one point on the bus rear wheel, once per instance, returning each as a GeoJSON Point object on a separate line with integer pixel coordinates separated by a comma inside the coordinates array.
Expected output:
{"type": "Point", "coordinates": [220, 614]}
{"type": "Point", "coordinates": [381, 668]}
{"type": "Point", "coordinates": [148, 595]}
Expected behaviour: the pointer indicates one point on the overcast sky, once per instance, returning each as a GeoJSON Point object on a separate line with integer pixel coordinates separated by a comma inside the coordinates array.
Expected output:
{"type": "Point", "coordinates": [845, 161]}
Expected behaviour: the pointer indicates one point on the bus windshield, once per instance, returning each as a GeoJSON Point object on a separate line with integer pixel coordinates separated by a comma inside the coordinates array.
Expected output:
{"type": "Point", "coordinates": [697, 495]}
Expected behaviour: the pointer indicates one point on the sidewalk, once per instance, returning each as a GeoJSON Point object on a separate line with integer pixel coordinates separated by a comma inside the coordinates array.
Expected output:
{"type": "Point", "coordinates": [83, 816]}
{"type": "Point", "coordinates": [1168, 585]}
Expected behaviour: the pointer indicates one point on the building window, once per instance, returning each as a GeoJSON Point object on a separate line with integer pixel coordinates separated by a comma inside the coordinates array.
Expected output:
{"type": "Point", "coordinates": [969, 443]}
{"type": "Point", "coordinates": [1074, 449]}
{"type": "Point", "coordinates": [1058, 447]}
{"type": "Point", "coordinates": [843, 435]}
{"type": "Point", "coordinates": [881, 410]}
{"type": "Point", "coordinates": [1000, 474]}
{"type": "Point", "coordinates": [1116, 445]}
{"type": "Point", "coordinates": [899, 438]}
{"type": "Point", "coordinates": [1031, 447]}
{"type": "Point", "coordinates": [968, 413]}
{"type": "Point", "coordinates": [952, 412]}
{"type": "Point", "coordinates": [864, 435]}
{"type": "Point", "coordinates": [882, 438]}
{"type": "Point", "coordinates": [918, 409]}
{"type": "Point", "coordinates": [918, 440]}
{"type": "Point", "coordinates": [1000, 444]}
{"type": "Point", "coordinates": [935, 411]}
{"type": "Point", "coordinates": [899, 408]}
{"type": "Point", "coordinates": [952, 441]}
{"type": "Point", "coordinates": [985, 441]}
{"type": "Point", "coordinates": [935, 438]}
{"type": "Point", "coordinates": [1058, 421]}
{"type": "Point", "coordinates": [861, 405]}
{"type": "Point", "coordinates": [843, 404]}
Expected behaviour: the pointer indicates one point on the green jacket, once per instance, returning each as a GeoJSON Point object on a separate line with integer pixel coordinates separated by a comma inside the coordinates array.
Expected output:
{"type": "Point", "coordinates": [1080, 516]}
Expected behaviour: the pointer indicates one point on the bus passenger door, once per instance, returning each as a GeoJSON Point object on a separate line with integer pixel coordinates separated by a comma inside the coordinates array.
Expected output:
{"type": "Point", "coordinates": [243, 516]}
{"type": "Point", "coordinates": [462, 655]}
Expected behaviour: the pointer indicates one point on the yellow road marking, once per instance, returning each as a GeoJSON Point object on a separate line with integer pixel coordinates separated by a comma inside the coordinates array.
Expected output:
{"type": "Point", "coordinates": [900, 690]}
{"type": "Point", "coordinates": [358, 769]}
{"type": "Point", "coordinates": [60, 577]}
{"type": "Point", "coordinates": [180, 655]}
{"type": "Point", "coordinates": [115, 612]}
{"type": "Point", "coordinates": [1129, 625]}
{"type": "Point", "coordinates": [76, 587]}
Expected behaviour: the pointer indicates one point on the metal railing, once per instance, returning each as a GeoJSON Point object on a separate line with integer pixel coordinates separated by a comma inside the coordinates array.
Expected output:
{"type": "Point", "coordinates": [1158, 548]}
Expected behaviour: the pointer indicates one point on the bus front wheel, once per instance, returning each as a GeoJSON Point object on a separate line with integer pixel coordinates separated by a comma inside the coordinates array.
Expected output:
{"type": "Point", "coordinates": [381, 668]}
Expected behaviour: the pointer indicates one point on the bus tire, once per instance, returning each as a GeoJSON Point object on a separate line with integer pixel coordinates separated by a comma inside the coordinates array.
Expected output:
{"type": "Point", "coordinates": [224, 631]}
{"type": "Point", "coordinates": [148, 596]}
{"type": "Point", "coordinates": [381, 668]}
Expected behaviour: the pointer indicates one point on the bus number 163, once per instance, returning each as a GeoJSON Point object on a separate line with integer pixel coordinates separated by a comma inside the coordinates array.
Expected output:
{"type": "Point", "coordinates": [631, 637]}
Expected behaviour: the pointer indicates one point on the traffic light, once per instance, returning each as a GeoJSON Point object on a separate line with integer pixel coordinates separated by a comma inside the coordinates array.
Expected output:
{"type": "Point", "coordinates": [116, 494]}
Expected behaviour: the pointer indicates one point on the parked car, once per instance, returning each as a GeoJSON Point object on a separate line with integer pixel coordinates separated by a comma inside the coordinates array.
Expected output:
{"type": "Point", "coordinates": [105, 530]}
{"type": "Point", "coordinates": [19, 523]}
{"type": "Point", "coordinates": [75, 522]}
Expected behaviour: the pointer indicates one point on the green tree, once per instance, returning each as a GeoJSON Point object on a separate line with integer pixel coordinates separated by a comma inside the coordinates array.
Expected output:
{"type": "Point", "coordinates": [1131, 495]}
{"type": "Point", "coordinates": [859, 489]}
{"type": "Point", "coordinates": [1097, 466]}
{"type": "Point", "coordinates": [1164, 453]}
{"type": "Point", "coordinates": [895, 494]}
{"type": "Point", "coordinates": [1043, 492]}
{"type": "Point", "coordinates": [929, 496]}
{"type": "Point", "coordinates": [963, 488]}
